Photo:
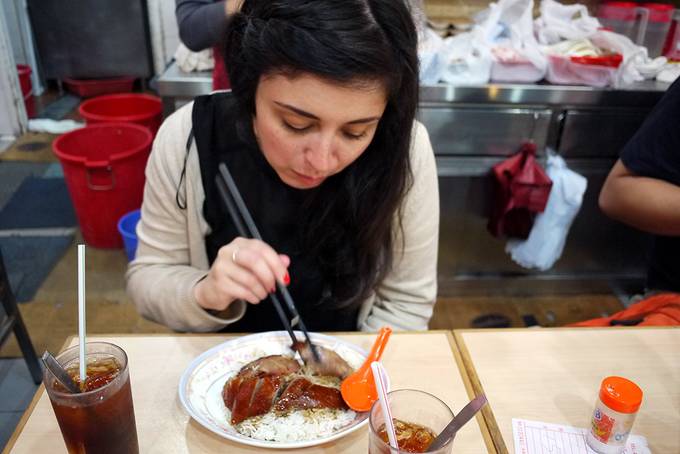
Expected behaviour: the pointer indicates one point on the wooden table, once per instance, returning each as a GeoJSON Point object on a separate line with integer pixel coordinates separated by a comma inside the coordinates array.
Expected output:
{"type": "Point", "coordinates": [427, 361]}
{"type": "Point", "coordinates": [553, 375]}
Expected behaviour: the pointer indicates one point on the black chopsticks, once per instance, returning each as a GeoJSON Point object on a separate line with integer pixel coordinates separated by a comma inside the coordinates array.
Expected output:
{"type": "Point", "coordinates": [246, 227]}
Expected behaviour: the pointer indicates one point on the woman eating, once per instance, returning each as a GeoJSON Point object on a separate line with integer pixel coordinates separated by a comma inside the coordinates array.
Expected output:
{"type": "Point", "coordinates": [319, 133]}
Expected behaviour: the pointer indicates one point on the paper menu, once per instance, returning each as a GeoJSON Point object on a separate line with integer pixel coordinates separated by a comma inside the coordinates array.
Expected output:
{"type": "Point", "coordinates": [534, 437]}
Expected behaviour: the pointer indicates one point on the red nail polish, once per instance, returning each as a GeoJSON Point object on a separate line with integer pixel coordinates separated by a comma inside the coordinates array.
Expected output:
{"type": "Point", "coordinates": [272, 290]}
{"type": "Point", "coordinates": [286, 279]}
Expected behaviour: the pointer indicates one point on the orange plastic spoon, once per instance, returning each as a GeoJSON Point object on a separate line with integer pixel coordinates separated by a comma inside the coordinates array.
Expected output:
{"type": "Point", "coordinates": [358, 389]}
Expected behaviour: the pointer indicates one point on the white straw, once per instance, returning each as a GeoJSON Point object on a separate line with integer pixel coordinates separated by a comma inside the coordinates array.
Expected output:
{"type": "Point", "coordinates": [81, 310]}
{"type": "Point", "coordinates": [379, 379]}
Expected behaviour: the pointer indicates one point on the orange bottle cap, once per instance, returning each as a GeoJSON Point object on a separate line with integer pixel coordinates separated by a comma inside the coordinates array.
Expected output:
{"type": "Point", "coordinates": [620, 394]}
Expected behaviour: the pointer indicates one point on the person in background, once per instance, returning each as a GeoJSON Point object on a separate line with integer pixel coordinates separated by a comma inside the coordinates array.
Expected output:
{"type": "Point", "coordinates": [202, 25]}
{"type": "Point", "coordinates": [319, 133]}
{"type": "Point", "coordinates": [643, 189]}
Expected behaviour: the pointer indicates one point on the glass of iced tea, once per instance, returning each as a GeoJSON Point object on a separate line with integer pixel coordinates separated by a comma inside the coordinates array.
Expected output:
{"type": "Point", "coordinates": [100, 419]}
{"type": "Point", "coordinates": [418, 418]}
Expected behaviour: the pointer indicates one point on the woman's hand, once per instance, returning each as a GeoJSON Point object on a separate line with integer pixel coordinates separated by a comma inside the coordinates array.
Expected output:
{"type": "Point", "coordinates": [244, 269]}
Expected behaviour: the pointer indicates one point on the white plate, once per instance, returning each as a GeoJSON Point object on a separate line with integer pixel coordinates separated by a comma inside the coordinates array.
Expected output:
{"type": "Point", "coordinates": [200, 388]}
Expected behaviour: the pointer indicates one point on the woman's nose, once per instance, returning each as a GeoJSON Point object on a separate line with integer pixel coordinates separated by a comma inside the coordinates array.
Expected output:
{"type": "Point", "coordinates": [320, 154]}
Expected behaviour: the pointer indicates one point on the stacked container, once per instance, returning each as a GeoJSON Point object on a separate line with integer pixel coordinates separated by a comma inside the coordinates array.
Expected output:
{"type": "Point", "coordinates": [660, 18]}
{"type": "Point", "coordinates": [622, 18]}
{"type": "Point", "coordinates": [138, 108]}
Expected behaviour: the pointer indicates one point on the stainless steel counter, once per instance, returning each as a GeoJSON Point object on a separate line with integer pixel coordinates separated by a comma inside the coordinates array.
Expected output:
{"type": "Point", "coordinates": [639, 94]}
{"type": "Point", "coordinates": [176, 84]}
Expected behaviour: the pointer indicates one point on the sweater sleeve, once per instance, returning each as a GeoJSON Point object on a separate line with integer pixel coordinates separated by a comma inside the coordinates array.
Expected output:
{"type": "Point", "coordinates": [161, 279]}
{"type": "Point", "coordinates": [202, 23]}
{"type": "Point", "coordinates": [405, 299]}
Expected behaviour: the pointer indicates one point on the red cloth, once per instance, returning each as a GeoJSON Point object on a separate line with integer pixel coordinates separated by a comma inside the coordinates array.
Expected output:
{"type": "Point", "coordinates": [521, 190]}
{"type": "Point", "coordinates": [658, 310]}
{"type": "Point", "coordinates": [220, 76]}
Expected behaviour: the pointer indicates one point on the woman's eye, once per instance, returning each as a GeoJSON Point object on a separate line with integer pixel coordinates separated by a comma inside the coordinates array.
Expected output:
{"type": "Point", "coordinates": [296, 129]}
{"type": "Point", "coordinates": [352, 136]}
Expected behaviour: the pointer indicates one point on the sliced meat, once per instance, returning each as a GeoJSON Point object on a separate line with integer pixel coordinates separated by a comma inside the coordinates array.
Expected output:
{"type": "Point", "coordinates": [240, 409]}
{"type": "Point", "coordinates": [276, 381]}
{"type": "Point", "coordinates": [278, 365]}
{"type": "Point", "coordinates": [264, 394]}
{"type": "Point", "coordinates": [301, 394]}
{"type": "Point", "coordinates": [230, 389]}
{"type": "Point", "coordinates": [331, 363]}
{"type": "Point", "coordinates": [271, 365]}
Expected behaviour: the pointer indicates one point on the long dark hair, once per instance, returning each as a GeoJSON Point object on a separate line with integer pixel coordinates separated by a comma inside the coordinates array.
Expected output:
{"type": "Point", "coordinates": [353, 215]}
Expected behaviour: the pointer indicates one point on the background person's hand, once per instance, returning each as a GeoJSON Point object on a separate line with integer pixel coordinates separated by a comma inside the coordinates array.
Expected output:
{"type": "Point", "coordinates": [232, 7]}
{"type": "Point", "coordinates": [244, 269]}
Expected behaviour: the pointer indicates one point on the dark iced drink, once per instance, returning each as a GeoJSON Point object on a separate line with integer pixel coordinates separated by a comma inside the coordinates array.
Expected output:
{"type": "Point", "coordinates": [101, 418]}
{"type": "Point", "coordinates": [417, 416]}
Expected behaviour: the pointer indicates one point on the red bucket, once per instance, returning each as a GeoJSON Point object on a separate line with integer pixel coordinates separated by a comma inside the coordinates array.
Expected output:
{"type": "Point", "coordinates": [26, 89]}
{"type": "Point", "coordinates": [25, 79]}
{"type": "Point", "coordinates": [104, 171]}
{"type": "Point", "coordinates": [141, 109]}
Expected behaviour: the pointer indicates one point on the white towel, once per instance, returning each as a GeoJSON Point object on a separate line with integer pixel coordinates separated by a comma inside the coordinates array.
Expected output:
{"type": "Point", "coordinates": [53, 126]}
{"type": "Point", "coordinates": [189, 61]}
{"type": "Point", "coordinates": [547, 238]}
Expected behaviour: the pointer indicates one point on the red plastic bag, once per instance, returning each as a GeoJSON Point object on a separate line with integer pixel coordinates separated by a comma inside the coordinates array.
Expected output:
{"type": "Point", "coordinates": [521, 190]}
{"type": "Point", "coordinates": [658, 310]}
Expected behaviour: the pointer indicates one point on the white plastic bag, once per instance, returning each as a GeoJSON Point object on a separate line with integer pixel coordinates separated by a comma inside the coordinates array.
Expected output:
{"type": "Point", "coordinates": [559, 22]}
{"type": "Point", "coordinates": [549, 233]}
{"type": "Point", "coordinates": [508, 29]}
{"type": "Point", "coordinates": [430, 46]}
{"type": "Point", "coordinates": [636, 64]}
{"type": "Point", "coordinates": [465, 59]}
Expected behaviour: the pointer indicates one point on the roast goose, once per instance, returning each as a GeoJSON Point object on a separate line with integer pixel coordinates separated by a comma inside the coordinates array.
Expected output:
{"type": "Point", "coordinates": [278, 382]}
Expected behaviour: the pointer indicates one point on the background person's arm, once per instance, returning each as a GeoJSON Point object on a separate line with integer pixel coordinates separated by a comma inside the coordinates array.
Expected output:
{"type": "Point", "coordinates": [202, 23]}
{"type": "Point", "coordinates": [648, 204]}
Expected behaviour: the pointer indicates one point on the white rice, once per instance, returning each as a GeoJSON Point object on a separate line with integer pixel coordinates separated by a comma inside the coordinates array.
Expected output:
{"type": "Point", "coordinates": [298, 425]}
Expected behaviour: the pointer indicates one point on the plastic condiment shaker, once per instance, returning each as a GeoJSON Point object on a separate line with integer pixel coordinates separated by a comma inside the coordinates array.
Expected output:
{"type": "Point", "coordinates": [615, 411]}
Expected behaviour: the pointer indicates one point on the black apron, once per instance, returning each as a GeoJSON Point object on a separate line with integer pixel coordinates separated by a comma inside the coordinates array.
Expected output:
{"type": "Point", "coordinates": [275, 207]}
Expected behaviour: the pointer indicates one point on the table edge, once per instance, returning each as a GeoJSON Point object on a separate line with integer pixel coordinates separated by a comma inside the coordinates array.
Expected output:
{"type": "Point", "coordinates": [29, 410]}
{"type": "Point", "coordinates": [481, 421]}
{"type": "Point", "coordinates": [477, 388]}
{"type": "Point", "coordinates": [564, 328]}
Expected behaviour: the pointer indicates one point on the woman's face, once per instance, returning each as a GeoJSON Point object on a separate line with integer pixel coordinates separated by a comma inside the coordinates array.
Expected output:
{"type": "Point", "coordinates": [309, 129]}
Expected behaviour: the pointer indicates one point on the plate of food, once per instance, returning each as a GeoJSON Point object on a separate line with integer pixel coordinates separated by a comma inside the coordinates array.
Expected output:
{"type": "Point", "coordinates": [256, 390]}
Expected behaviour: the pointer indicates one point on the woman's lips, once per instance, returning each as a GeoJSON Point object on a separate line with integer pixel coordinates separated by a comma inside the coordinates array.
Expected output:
{"type": "Point", "coordinates": [307, 180]}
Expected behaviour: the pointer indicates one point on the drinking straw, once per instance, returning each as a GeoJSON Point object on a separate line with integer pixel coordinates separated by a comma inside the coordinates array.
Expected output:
{"type": "Point", "coordinates": [379, 374]}
{"type": "Point", "coordinates": [81, 312]}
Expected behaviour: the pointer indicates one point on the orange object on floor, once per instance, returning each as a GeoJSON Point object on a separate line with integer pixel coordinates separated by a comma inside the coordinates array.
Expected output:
{"type": "Point", "coordinates": [662, 309]}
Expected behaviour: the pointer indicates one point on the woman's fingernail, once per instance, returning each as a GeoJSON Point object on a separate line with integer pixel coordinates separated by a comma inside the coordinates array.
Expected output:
{"type": "Point", "coordinates": [272, 290]}
{"type": "Point", "coordinates": [286, 279]}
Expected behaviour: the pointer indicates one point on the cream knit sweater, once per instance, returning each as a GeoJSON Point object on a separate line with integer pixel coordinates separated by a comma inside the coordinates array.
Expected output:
{"type": "Point", "coordinates": [171, 255]}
